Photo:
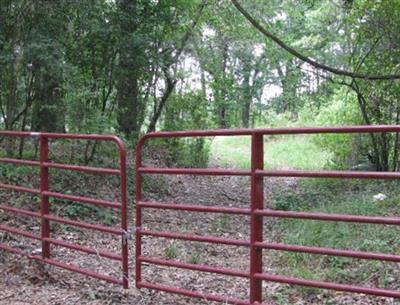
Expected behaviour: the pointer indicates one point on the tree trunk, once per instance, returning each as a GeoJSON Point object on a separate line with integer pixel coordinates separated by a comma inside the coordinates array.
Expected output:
{"type": "Point", "coordinates": [246, 95]}
{"type": "Point", "coordinates": [130, 106]}
{"type": "Point", "coordinates": [48, 109]}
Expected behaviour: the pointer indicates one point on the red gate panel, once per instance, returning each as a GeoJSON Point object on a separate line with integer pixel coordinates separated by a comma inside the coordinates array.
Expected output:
{"type": "Point", "coordinates": [44, 213]}
{"type": "Point", "coordinates": [256, 212]}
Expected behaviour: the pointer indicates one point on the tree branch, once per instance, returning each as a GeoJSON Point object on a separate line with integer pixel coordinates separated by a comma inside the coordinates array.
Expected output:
{"type": "Point", "coordinates": [170, 83]}
{"type": "Point", "coordinates": [306, 59]}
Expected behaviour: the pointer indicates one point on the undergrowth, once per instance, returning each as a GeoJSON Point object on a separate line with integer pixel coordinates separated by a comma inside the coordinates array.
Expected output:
{"type": "Point", "coordinates": [279, 152]}
{"type": "Point", "coordinates": [66, 182]}
{"type": "Point", "coordinates": [348, 196]}
{"type": "Point", "coordinates": [341, 197]}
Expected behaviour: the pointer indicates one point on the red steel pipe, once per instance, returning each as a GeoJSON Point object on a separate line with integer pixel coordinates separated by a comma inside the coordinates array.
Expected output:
{"type": "Point", "coordinates": [19, 188]}
{"type": "Point", "coordinates": [194, 171]}
{"type": "Point", "coordinates": [256, 221]}
{"type": "Point", "coordinates": [19, 232]}
{"type": "Point", "coordinates": [138, 213]}
{"type": "Point", "coordinates": [104, 203]}
{"type": "Point", "coordinates": [193, 294]}
{"type": "Point", "coordinates": [70, 267]}
{"type": "Point", "coordinates": [20, 161]}
{"type": "Point", "coordinates": [270, 131]}
{"type": "Point", "coordinates": [193, 208]}
{"type": "Point", "coordinates": [384, 220]}
{"type": "Point", "coordinates": [328, 174]}
{"type": "Point", "coordinates": [84, 225]}
{"type": "Point", "coordinates": [44, 199]}
{"type": "Point", "coordinates": [18, 251]}
{"type": "Point", "coordinates": [196, 267]}
{"type": "Point", "coordinates": [330, 251]}
{"type": "Point", "coordinates": [83, 271]}
{"type": "Point", "coordinates": [88, 169]}
{"type": "Point", "coordinates": [328, 285]}
{"type": "Point", "coordinates": [61, 243]}
{"type": "Point", "coordinates": [44, 164]}
{"type": "Point", "coordinates": [19, 211]}
{"type": "Point", "coordinates": [124, 213]}
{"type": "Point", "coordinates": [190, 237]}
{"type": "Point", "coordinates": [84, 169]}
{"type": "Point", "coordinates": [256, 211]}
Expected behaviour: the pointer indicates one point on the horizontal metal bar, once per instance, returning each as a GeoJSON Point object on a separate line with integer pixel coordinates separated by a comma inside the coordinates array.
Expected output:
{"type": "Point", "coordinates": [11, 133]}
{"type": "Point", "coordinates": [19, 211]}
{"type": "Point", "coordinates": [77, 247]}
{"type": "Point", "coordinates": [329, 174]}
{"type": "Point", "coordinates": [328, 285]}
{"type": "Point", "coordinates": [77, 136]}
{"type": "Point", "coordinates": [69, 267]}
{"type": "Point", "coordinates": [19, 232]}
{"type": "Point", "coordinates": [193, 208]}
{"type": "Point", "coordinates": [87, 169]}
{"type": "Point", "coordinates": [104, 203]}
{"type": "Point", "coordinates": [206, 239]}
{"type": "Point", "coordinates": [329, 251]}
{"type": "Point", "coordinates": [330, 217]}
{"type": "Point", "coordinates": [8, 248]}
{"type": "Point", "coordinates": [83, 271]}
{"type": "Point", "coordinates": [112, 138]}
{"type": "Point", "coordinates": [192, 294]}
{"type": "Point", "coordinates": [274, 131]}
{"type": "Point", "coordinates": [84, 225]}
{"type": "Point", "coordinates": [51, 135]}
{"type": "Point", "coordinates": [196, 267]}
{"type": "Point", "coordinates": [19, 188]}
{"type": "Point", "coordinates": [332, 129]}
{"type": "Point", "coordinates": [20, 161]}
{"type": "Point", "coordinates": [194, 171]}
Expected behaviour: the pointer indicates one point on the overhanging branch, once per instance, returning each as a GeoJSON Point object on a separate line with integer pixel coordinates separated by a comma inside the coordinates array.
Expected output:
{"type": "Point", "coordinates": [306, 59]}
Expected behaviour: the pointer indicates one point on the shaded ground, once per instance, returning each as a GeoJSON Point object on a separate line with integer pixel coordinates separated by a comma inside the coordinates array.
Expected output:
{"type": "Point", "coordinates": [27, 282]}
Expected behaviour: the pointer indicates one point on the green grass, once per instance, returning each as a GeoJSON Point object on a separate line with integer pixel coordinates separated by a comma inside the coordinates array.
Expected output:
{"type": "Point", "coordinates": [281, 152]}
{"type": "Point", "coordinates": [347, 196]}
{"type": "Point", "coordinates": [343, 197]}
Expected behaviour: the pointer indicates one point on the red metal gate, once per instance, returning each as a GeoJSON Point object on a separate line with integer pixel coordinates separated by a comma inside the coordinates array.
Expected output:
{"type": "Point", "coordinates": [44, 164]}
{"type": "Point", "coordinates": [256, 212]}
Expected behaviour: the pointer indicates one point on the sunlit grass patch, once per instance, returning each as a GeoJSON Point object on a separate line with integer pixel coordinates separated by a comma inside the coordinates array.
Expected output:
{"type": "Point", "coordinates": [352, 197]}
{"type": "Point", "coordinates": [283, 152]}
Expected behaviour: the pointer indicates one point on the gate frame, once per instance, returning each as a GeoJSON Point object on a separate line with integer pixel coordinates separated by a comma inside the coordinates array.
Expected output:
{"type": "Point", "coordinates": [44, 214]}
{"type": "Point", "coordinates": [256, 213]}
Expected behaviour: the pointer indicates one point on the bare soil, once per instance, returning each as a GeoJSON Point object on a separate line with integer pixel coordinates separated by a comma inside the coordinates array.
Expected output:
{"type": "Point", "coordinates": [25, 281]}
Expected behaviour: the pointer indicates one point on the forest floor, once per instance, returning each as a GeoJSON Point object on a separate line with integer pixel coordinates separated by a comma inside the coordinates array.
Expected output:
{"type": "Point", "coordinates": [27, 282]}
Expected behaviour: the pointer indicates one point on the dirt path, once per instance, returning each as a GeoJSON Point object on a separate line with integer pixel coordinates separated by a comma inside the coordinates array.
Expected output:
{"type": "Point", "coordinates": [27, 282]}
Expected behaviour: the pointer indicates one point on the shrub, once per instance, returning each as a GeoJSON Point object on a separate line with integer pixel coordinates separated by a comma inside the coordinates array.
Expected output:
{"type": "Point", "coordinates": [186, 112]}
{"type": "Point", "coordinates": [347, 149]}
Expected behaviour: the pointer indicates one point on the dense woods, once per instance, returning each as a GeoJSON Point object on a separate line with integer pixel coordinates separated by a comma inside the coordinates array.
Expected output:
{"type": "Point", "coordinates": [133, 66]}
{"type": "Point", "coordinates": [129, 67]}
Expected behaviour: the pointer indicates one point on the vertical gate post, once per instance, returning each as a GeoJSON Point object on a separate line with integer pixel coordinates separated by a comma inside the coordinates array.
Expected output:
{"type": "Point", "coordinates": [138, 198]}
{"type": "Point", "coordinates": [124, 220]}
{"type": "Point", "coordinates": [256, 222]}
{"type": "Point", "coordinates": [44, 199]}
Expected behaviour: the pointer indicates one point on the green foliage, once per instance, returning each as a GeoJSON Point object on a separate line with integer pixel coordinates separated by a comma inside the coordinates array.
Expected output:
{"type": "Point", "coordinates": [186, 113]}
{"type": "Point", "coordinates": [195, 258]}
{"type": "Point", "coordinates": [15, 174]}
{"type": "Point", "coordinates": [222, 224]}
{"type": "Point", "coordinates": [347, 149]}
{"type": "Point", "coordinates": [81, 211]}
{"type": "Point", "coordinates": [130, 67]}
{"type": "Point", "coordinates": [342, 197]}
{"type": "Point", "coordinates": [171, 251]}
{"type": "Point", "coordinates": [279, 152]}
